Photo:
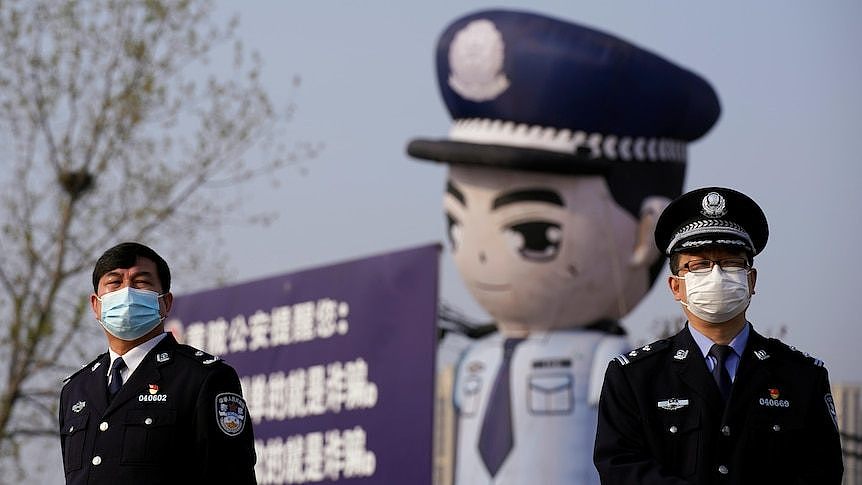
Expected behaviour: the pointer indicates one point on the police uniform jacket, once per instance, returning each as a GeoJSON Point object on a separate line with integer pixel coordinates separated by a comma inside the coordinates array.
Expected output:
{"type": "Point", "coordinates": [662, 419]}
{"type": "Point", "coordinates": [178, 419]}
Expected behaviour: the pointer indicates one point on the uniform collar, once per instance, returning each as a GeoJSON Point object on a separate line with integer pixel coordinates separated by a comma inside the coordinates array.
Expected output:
{"type": "Point", "coordinates": [737, 344]}
{"type": "Point", "coordinates": [134, 357]}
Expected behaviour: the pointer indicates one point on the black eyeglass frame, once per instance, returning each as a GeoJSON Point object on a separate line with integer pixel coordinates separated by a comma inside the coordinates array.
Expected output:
{"type": "Point", "coordinates": [730, 265]}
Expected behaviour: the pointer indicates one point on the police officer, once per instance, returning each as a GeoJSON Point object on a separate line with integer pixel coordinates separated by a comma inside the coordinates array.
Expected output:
{"type": "Point", "coordinates": [150, 410]}
{"type": "Point", "coordinates": [717, 402]}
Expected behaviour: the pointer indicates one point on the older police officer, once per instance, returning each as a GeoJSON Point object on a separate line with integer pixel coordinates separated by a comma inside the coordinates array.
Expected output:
{"type": "Point", "coordinates": [150, 410]}
{"type": "Point", "coordinates": [717, 402]}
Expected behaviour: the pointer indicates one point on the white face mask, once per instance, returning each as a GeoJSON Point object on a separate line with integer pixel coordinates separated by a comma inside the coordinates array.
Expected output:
{"type": "Point", "coordinates": [717, 296]}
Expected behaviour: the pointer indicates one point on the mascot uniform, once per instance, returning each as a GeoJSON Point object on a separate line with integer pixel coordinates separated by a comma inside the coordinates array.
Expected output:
{"type": "Point", "coordinates": [566, 145]}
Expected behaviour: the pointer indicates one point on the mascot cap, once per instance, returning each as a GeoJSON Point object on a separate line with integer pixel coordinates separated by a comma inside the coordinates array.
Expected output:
{"type": "Point", "coordinates": [531, 92]}
{"type": "Point", "coordinates": [712, 216]}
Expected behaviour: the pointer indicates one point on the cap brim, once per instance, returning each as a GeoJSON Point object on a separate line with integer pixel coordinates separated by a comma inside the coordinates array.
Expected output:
{"type": "Point", "coordinates": [508, 157]}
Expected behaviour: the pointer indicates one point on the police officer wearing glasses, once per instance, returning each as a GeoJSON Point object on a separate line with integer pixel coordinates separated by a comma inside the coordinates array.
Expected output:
{"type": "Point", "coordinates": [717, 402]}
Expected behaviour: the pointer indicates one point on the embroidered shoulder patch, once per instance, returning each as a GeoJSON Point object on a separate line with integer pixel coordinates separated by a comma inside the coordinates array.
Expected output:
{"type": "Point", "coordinates": [230, 413]}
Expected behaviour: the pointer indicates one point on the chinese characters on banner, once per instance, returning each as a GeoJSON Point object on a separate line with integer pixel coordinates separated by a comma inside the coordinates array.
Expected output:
{"type": "Point", "coordinates": [336, 365]}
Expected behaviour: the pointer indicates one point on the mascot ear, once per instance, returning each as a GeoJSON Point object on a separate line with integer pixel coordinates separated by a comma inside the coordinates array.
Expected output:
{"type": "Point", "coordinates": [645, 252]}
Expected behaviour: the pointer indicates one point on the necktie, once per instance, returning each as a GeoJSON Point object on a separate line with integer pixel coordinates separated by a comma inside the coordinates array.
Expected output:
{"type": "Point", "coordinates": [495, 438]}
{"type": "Point", "coordinates": [116, 378]}
{"type": "Point", "coordinates": [719, 372]}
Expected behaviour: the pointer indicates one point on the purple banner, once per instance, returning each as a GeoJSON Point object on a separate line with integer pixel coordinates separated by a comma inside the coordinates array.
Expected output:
{"type": "Point", "coordinates": [336, 364]}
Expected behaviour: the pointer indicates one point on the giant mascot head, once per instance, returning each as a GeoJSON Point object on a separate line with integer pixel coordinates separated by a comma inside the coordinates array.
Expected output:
{"type": "Point", "coordinates": [566, 145]}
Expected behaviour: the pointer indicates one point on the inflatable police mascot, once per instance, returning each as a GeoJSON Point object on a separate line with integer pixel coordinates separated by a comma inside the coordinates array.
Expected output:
{"type": "Point", "coordinates": [566, 145]}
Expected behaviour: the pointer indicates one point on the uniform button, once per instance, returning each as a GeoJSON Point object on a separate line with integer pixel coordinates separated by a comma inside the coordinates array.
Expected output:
{"type": "Point", "coordinates": [776, 427]}
{"type": "Point", "coordinates": [71, 428]}
{"type": "Point", "coordinates": [103, 426]}
{"type": "Point", "coordinates": [673, 429]}
{"type": "Point", "coordinates": [97, 460]}
{"type": "Point", "coordinates": [148, 421]}
{"type": "Point", "coordinates": [722, 469]}
{"type": "Point", "coordinates": [725, 430]}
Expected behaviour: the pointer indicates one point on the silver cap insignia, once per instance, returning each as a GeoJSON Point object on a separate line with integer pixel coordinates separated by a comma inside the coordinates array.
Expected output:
{"type": "Point", "coordinates": [713, 205]}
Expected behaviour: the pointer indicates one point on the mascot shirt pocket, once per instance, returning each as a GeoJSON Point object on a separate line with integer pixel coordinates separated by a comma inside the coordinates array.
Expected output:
{"type": "Point", "coordinates": [551, 393]}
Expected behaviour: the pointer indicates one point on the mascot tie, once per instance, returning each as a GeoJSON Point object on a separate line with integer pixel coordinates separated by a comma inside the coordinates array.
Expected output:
{"type": "Point", "coordinates": [496, 439]}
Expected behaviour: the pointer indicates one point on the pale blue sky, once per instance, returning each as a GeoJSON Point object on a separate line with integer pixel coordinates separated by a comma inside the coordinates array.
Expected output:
{"type": "Point", "coordinates": [788, 75]}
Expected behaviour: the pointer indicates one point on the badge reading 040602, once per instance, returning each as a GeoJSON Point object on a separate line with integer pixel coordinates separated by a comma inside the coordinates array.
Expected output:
{"type": "Point", "coordinates": [230, 413]}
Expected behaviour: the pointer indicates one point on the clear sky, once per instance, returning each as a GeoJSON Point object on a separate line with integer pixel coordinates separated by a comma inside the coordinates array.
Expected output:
{"type": "Point", "coordinates": [788, 75]}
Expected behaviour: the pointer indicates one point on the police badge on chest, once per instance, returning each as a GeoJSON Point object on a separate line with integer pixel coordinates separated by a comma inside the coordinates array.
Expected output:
{"type": "Point", "coordinates": [153, 395]}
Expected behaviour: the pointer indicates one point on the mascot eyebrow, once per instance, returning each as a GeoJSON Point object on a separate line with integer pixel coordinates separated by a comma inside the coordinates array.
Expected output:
{"type": "Point", "coordinates": [523, 195]}
{"type": "Point", "coordinates": [452, 190]}
{"type": "Point", "coordinates": [528, 195]}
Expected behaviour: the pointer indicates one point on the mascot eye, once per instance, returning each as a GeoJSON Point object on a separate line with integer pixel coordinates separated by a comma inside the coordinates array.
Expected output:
{"type": "Point", "coordinates": [454, 231]}
{"type": "Point", "coordinates": [535, 240]}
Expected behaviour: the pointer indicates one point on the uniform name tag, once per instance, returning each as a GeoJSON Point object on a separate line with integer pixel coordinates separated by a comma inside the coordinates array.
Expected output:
{"type": "Point", "coordinates": [673, 404]}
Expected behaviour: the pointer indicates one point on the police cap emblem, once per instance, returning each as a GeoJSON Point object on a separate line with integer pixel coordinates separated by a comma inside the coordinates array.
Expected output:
{"type": "Point", "coordinates": [713, 205]}
{"type": "Point", "coordinates": [476, 61]}
{"type": "Point", "coordinates": [231, 413]}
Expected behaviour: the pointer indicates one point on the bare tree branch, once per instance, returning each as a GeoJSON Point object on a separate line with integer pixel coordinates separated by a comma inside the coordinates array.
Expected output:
{"type": "Point", "coordinates": [110, 130]}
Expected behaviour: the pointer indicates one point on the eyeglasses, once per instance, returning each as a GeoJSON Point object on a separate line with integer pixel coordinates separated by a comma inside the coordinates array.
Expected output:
{"type": "Point", "coordinates": [728, 265]}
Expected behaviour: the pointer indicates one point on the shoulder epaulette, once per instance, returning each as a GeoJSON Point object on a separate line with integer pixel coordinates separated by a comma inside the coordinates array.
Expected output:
{"type": "Point", "coordinates": [642, 352]}
{"type": "Point", "coordinates": [197, 354]}
{"type": "Point", "coordinates": [798, 354]}
{"type": "Point", "coordinates": [92, 365]}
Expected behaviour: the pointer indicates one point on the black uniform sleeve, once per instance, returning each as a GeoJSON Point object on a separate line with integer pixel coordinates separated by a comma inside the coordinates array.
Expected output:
{"type": "Point", "coordinates": [621, 453]}
{"type": "Point", "coordinates": [825, 465]}
{"type": "Point", "coordinates": [223, 454]}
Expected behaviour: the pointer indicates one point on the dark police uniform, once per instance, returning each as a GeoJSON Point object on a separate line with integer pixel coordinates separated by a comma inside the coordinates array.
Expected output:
{"type": "Point", "coordinates": [661, 418]}
{"type": "Point", "coordinates": [179, 419]}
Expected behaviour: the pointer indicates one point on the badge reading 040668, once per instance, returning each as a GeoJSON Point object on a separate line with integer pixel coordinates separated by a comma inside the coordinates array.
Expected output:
{"type": "Point", "coordinates": [230, 413]}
